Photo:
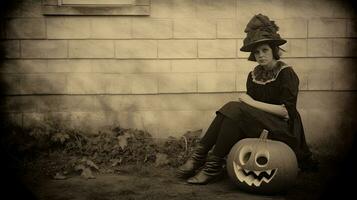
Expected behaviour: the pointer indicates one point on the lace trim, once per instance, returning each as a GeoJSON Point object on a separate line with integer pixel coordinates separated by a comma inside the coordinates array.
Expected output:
{"type": "Point", "coordinates": [262, 76]}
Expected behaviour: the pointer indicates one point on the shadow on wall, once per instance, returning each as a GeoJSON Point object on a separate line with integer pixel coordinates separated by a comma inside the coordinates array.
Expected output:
{"type": "Point", "coordinates": [11, 177]}
{"type": "Point", "coordinates": [104, 109]}
{"type": "Point", "coordinates": [6, 7]}
{"type": "Point", "coordinates": [109, 112]}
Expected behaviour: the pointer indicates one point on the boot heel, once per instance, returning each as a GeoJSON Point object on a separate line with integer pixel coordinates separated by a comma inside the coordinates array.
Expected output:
{"type": "Point", "coordinates": [196, 161]}
{"type": "Point", "coordinates": [212, 171]}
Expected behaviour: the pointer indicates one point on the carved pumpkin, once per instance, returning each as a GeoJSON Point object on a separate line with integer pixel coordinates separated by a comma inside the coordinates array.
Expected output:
{"type": "Point", "coordinates": [261, 165]}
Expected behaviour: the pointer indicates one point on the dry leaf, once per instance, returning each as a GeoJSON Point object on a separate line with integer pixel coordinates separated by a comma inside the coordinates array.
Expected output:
{"type": "Point", "coordinates": [123, 140]}
{"type": "Point", "coordinates": [161, 159]}
{"type": "Point", "coordinates": [79, 167]}
{"type": "Point", "coordinates": [59, 176]}
{"type": "Point", "coordinates": [62, 137]}
{"type": "Point", "coordinates": [87, 173]}
{"type": "Point", "coordinates": [91, 164]}
{"type": "Point", "coordinates": [116, 161]}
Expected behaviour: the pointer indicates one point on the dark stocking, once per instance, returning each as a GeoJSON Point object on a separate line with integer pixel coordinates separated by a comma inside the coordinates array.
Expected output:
{"type": "Point", "coordinates": [223, 133]}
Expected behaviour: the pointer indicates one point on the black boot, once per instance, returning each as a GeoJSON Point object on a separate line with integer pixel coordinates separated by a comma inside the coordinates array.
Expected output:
{"type": "Point", "coordinates": [212, 170]}
{"type": "Point", "coordinates": [309, 164]}
{"type": "Point", "coordinates": [197, 159]}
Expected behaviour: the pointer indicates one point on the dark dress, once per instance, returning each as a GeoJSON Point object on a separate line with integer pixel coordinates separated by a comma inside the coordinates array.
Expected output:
{"type": "Point", "coordinates": [283, 90]}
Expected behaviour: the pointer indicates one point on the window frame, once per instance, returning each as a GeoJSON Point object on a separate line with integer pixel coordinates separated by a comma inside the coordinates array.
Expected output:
{"type": "Point", "coordinates": [96, 3]}
{"type": "Point", "coordinates": [55, 7]}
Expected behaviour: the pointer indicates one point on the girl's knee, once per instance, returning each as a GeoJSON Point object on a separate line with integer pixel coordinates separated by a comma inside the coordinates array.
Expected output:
{"type": "Point", "coordinates": [236, 104]}
{"type": "Point", "coordinates": [233, 103]}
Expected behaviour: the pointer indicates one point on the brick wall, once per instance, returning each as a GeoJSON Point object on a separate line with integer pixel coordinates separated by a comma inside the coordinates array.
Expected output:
{"type": "Point", "coordinates": [168, 72]}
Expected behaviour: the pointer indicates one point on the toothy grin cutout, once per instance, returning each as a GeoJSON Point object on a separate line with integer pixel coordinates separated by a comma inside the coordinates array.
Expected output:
{"type": "Point", "coordinates": [253, 177]}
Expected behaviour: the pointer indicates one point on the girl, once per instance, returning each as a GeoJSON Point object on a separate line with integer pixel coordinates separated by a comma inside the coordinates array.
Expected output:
{"type": "Point", "coordinates": [270, 103]}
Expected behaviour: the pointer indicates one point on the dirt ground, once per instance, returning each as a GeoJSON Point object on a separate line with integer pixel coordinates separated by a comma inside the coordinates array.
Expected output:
{"type": "Point", "coordinates": [150, 182]}
{"type": "Point", "coordinates": [148, 187]}
{"type": "Point", "coordinates": [32, 177]}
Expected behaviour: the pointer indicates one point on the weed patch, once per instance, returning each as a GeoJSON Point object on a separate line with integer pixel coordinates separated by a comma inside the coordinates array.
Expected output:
{"type": "Point", "coordinates": [62, 152]}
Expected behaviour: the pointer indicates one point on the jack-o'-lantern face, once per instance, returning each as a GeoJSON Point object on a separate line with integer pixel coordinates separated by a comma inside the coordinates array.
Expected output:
{"type": "Point", "coordinates": [253, 167]}
{"type": "Point", "coordinates": [262, 165]}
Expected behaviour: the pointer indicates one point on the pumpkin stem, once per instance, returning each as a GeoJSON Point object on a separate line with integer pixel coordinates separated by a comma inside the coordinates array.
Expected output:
{"type": "Point", "coordinates": [264, 134]}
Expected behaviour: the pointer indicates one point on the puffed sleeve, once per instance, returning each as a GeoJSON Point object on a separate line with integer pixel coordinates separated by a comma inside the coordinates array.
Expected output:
{"type": "Point", "coordinates": [289, 90]}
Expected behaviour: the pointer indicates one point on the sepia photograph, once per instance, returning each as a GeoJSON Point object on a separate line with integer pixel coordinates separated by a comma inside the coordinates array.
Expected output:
{"type": "Point", "coordinates": [178, 99]}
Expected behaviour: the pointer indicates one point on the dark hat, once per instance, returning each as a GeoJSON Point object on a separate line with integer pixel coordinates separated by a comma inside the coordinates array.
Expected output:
{"type": "Point", "coordinates": [261, 30]}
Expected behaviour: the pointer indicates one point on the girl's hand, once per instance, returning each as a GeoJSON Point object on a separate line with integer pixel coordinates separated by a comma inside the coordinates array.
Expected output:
{"type": "Point", "coordinates": [245, 98]}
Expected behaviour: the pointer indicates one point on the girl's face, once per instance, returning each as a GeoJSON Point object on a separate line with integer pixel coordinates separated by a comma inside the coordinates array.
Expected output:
{"type": "Point", "coordinates": [264, 56]}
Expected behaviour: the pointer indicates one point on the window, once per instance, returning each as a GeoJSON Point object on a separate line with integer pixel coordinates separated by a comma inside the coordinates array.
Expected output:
{"type": "Point", "coordinates": [96, 7]}
{"type": "Point", "coordinates": [89, 3]}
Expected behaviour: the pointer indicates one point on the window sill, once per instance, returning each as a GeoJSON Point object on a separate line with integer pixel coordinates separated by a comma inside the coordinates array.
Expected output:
{"type": "Point", "coordinates": [51, 7]}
